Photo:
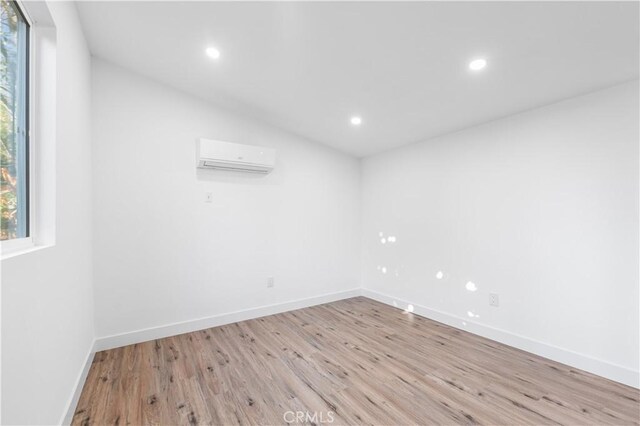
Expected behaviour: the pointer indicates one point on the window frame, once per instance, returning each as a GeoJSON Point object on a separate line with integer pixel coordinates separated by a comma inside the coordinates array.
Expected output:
{"type": "Point", "coordinates": [12, 246]}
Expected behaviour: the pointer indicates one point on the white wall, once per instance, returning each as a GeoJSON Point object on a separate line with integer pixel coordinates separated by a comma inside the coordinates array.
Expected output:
{"type": "Point", "coordinates": [541, 208]}
{"type": "Point", "coordinates": [47, 304]}
{"type": "Point", "coordinates": [162, 255]}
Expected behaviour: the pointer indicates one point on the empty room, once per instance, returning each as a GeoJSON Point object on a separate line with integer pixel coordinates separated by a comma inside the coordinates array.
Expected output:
{"type": "Point", "coordinates": [319, 213]}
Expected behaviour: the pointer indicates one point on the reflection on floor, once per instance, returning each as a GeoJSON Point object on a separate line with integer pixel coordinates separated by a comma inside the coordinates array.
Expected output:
{"type": "Point", "coordinates": [354, 361]}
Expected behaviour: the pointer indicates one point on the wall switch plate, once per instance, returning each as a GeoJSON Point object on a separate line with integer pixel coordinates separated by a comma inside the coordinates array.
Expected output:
{"type": "Point", "coordinates": [270, 282]}
{"type": "Point", "coordinates": [494, 299]}
{"type": "Point", "coordinates": [208, 197]}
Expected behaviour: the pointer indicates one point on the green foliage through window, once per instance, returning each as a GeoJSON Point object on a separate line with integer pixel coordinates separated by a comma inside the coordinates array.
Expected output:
{"type": "Point", "coordinates": [13, 122]}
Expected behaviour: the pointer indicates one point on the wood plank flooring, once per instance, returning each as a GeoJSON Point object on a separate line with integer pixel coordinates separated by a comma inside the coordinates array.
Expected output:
{"type": "Point", "coordinates": [355, 361]}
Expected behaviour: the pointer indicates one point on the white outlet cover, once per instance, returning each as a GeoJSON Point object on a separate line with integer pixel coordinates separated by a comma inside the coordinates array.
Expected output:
{"type": "Point", "coordinates": [208, 197]}
{"type": "Point", "coordinates": [494, 299]}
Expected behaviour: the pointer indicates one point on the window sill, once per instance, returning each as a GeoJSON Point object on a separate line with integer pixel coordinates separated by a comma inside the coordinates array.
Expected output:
{"type": "Point", "coordinates": [23, 251]}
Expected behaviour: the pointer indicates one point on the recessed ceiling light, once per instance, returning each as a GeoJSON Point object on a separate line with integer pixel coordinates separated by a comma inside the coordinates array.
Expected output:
{"type": "Point", "coordinates": [212, 52]}
{"type": "Point", "coordinates": [477, 64]}
{"type": "Point", "coordinates": [356, 121]}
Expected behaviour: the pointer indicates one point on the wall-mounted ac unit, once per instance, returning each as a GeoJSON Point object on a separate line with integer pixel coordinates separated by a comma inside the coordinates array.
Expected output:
{"type": "Point", "coordinates": [221, 155]}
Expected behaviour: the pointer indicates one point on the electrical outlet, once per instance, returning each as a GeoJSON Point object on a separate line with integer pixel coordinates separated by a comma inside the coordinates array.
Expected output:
{"type": "Point", "coordinates": [208, 197]}
{"type": "Point", "coordinates": [270, 282]}
{"type": "Point", "coordinates": [494, 299]}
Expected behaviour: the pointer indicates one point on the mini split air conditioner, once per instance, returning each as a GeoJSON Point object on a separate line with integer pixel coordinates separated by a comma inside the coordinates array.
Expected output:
{"type": "Point", "coordinates": [212, 154]}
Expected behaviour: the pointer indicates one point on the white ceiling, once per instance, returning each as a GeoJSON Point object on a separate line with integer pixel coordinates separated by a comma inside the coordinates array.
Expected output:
{"type": "Point", "coordinates": [307, 67]}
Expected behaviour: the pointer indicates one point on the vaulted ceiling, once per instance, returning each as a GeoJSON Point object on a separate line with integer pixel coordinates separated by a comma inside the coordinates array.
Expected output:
{"type": "Point", "coordinates": [402, 67]}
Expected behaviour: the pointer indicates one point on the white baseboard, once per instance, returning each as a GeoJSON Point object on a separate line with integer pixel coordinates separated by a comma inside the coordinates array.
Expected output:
{"type": "Point", "coordinates": [144, 335]}
{"type": "Point", "coordinates": [77, 390]}
{"type": "Point", "coordinates": [138, 336]}
{"type": "Point", "coordinates": [574, 359]}
{"type": "Point", "coordinates": [596, 366]}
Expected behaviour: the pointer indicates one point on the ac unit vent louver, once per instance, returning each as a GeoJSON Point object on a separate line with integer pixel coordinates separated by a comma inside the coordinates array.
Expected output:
{"type": "Point", "coordinates": [213, 154]}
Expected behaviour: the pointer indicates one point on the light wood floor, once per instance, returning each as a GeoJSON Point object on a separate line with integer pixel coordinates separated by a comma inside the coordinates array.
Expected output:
{"type": "Point", "coordinates": [355, 361]}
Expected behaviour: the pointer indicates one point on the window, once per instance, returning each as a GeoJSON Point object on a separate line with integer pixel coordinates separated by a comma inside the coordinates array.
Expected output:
{"type": "Point", "coordinates": [14, 123]}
